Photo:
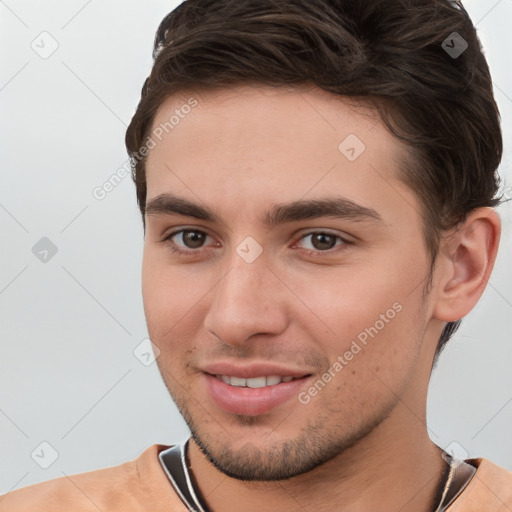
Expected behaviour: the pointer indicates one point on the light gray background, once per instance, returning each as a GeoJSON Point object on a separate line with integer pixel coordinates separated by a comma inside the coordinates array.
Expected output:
{"type": "Point", "coordinates": [68, 375]}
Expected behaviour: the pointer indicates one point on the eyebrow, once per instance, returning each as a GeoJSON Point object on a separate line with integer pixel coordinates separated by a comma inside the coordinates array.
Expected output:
{"type": "Point", "coordinates": [338, 207]}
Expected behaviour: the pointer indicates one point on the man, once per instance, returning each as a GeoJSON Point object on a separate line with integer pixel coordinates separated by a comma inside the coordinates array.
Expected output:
{"type": "Point", "coordinates": [317, 183]}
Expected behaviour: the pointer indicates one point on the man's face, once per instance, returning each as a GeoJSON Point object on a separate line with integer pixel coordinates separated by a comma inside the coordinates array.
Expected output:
{"type": "Point", "coordinates": [333, 301]}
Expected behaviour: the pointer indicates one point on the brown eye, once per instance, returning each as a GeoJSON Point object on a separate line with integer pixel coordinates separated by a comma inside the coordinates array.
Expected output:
{"type": "Point", "coordinates": [323, 241]}
{"type": "Point", "coordinates": [193, 239]}
{"type": "Point", "coordinates": [186, 241]}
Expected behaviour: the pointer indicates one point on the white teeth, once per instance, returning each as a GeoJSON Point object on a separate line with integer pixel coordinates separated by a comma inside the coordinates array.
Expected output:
{"type": "Point", "coordinates": [238, 381]}
{"type": "Point", "coordinates": [254, 382]}
{"type": "Point", "coordinates": [272, 380]}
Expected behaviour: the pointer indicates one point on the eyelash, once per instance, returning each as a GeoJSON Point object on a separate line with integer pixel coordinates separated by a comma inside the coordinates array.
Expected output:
{"type": "Point", "coordinates": [310, 252]}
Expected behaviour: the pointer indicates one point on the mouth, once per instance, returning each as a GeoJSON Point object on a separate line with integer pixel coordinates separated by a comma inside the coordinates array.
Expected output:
{"type": "Point", "coordinates": [253, 396]}
{"type": "Point", "coordinates": [256, 382]}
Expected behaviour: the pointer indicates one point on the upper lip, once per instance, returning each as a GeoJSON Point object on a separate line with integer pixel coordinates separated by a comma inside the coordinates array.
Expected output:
{"type": "Point", "coordinates": [249, 371]}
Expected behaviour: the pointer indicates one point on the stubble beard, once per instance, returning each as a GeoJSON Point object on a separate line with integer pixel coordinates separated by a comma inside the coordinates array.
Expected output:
{"type": "Point", "coordinates": [314, 445]}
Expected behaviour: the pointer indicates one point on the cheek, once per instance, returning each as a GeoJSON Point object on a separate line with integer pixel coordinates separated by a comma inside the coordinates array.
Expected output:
{"type": "Point", "coordinates": [369, 319]}
{"type": "Point", "coordinates": [348, 300]}
{"type": "Point", "coordinates": [371, 367]}
{"type": "Point", "coordinates": [161, 294]}
{"type": "Point", "coordinates": [162, 286]}
{"type": "Point", "coordinates": [173, 297]}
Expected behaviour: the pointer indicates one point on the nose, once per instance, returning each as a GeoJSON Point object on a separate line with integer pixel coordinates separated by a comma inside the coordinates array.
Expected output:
{"type": "Point", "coordinates": [249, 300]}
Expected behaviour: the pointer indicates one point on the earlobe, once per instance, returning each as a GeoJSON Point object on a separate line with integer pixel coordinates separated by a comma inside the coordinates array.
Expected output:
{"type": "Point", "coordinates": [467, 260]}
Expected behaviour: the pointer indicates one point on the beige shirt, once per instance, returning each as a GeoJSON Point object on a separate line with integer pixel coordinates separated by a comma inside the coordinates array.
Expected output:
{"type": "Point", "coordinates": [142, 486]}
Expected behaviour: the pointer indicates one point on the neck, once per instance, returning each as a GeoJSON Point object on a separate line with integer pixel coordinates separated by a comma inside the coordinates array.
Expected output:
{"type": "Point", "coordinates": [384, 471]}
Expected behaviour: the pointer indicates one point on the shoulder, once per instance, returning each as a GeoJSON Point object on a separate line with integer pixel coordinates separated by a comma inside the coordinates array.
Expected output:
{"type": "Point", "coordinates": [490, 489]}
{"type": "Point", "coordinates": [137, 485]}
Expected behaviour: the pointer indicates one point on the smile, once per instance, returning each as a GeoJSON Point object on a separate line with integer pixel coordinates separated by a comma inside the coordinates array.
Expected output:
{"type": "Point", "coordinates": [255, 382]}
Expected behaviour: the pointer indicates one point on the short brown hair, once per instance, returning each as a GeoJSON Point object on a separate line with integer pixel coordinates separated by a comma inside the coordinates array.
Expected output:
{"type": "Point", "coordinates": [391, 53]}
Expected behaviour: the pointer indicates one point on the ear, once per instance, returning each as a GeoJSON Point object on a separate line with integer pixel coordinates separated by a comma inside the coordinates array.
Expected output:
{"type": "Point", "coordinates": [465, 261]}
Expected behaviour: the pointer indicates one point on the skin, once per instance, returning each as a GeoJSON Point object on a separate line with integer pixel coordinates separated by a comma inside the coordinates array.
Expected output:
{"type": "Point", "coordinates": [361, 444]}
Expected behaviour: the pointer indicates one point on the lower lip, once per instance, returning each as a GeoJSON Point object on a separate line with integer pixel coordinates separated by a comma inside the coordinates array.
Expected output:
{"type": "Point", "coordinates": [251, 401]}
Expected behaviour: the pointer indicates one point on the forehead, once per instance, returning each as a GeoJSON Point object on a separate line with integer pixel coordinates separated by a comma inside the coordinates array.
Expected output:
{"type": "Point", "coordinates": [293, 114]}
{"type": "Point", "coordinates": [272, 145]}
